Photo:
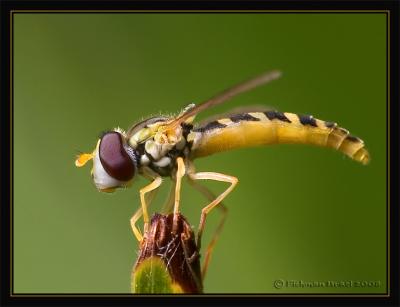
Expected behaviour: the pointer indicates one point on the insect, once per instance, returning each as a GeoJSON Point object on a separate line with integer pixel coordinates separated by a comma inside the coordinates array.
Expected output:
{"type": "Point", "coordinates": [165, 146]}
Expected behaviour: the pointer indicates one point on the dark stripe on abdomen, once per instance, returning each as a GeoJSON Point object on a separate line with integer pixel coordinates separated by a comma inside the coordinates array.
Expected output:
{"type": "Point", "coordinates": [307, 120]}
{"type": "Point", "coordinates": [353, 138]}
{"type": "Point", "coordinates": [277, 115]}
{"type": "Point", "coordinates": [330, 124]}
{"type": "Point", "coordinates": [210, 126]}
{"type": "Point", "coordinates": [245, 116]}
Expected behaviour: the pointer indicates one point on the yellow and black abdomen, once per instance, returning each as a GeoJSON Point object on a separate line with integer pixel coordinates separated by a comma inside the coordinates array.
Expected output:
{"type": "Point", "coordinates": [272, 127]}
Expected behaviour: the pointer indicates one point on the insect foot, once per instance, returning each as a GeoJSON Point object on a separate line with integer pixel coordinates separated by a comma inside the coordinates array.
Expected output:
{"type": "Point", "coordinates": [168, 262]}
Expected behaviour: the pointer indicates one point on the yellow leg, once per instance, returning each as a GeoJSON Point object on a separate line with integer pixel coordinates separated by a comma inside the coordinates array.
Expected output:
{"type": "Point", "coordinates": [152, 186]}
{"type": "Point", "coordinates": [138, 214]}
{"type": "Point", "coordinates": [180, 172]}
{"type": "Point", "coordinates": [210, 247]}
{"type": "Point", "coordinates": [136, 230]}
{"type": "Point", "coordinates": [218, 177]}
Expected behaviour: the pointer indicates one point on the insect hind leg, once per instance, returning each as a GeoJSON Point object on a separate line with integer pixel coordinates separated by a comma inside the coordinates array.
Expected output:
{"type": "Point", "coordinates": [224, 211]}
{"type": "Point", "coordinates": [217, 177]}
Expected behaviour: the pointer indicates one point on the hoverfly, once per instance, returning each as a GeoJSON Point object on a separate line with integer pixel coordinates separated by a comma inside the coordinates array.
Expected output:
{"type": "Point", "coordinates": [165, 146]}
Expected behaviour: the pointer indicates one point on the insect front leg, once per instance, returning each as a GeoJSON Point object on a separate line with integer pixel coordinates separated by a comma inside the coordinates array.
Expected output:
{"type": "Point", "coordinates": [138, 214]}
{"type": "Point", "coordinates": [157, 180]}
{"type": "Point", "coordinates": [133, 221]}
{"type": "Point", "coordinates": [224, 210]}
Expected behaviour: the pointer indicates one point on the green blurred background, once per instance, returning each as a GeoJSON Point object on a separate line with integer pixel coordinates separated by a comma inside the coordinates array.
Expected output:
{"type": "Point", "coordinates": [299, 213]}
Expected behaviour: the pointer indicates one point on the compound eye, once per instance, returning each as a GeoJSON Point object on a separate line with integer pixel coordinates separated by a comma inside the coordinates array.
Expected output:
{"type": "Point", "coordinates": [116, 162]}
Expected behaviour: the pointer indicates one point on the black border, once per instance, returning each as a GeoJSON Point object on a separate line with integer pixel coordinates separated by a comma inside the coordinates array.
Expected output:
{"type": "Point", "coordinates": [7, 139]}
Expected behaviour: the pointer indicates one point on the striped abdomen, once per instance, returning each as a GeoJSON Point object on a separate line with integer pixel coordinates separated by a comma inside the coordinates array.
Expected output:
{"type": "Point", "coordinates": [272, 127]}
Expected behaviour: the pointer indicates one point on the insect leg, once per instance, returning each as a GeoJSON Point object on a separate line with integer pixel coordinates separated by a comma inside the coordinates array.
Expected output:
{"type": "Point", "coordinates": [157, 180]}
{"type": "Point", "coordinates": [138, 214]}
{"type": "Point", "coordinates": [133, 221]}
{"type": "Point", "coordinates": [224, 210]}
{"type": "Point", "coordinates": [179, 174]}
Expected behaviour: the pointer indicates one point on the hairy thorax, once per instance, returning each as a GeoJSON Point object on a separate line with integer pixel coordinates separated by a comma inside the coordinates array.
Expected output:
{"type": "Point", "coordinates": [158, 148]}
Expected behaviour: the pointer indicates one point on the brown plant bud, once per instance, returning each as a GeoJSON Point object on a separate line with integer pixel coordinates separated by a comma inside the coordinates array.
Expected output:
{"type": "Point", "coordinates": [177, 250]}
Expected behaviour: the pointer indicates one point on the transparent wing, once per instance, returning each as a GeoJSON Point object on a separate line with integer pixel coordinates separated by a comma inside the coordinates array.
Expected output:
{"type": "Point", "coordinates": [226, 95]}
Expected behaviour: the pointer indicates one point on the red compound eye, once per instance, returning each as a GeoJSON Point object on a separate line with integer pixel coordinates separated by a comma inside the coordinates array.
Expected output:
{"type": "Point", "coordinates": [114, 158]}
